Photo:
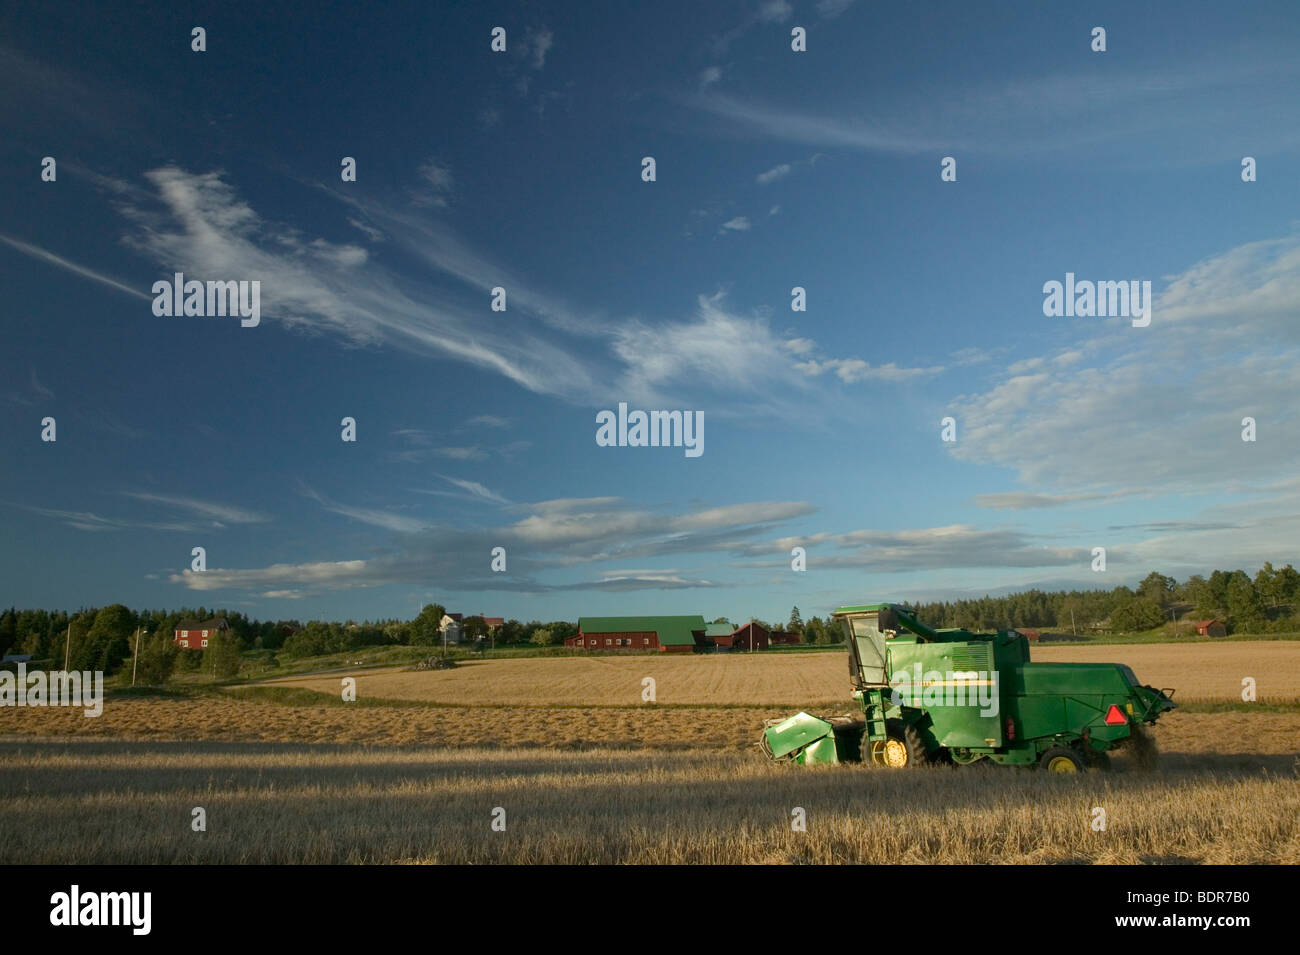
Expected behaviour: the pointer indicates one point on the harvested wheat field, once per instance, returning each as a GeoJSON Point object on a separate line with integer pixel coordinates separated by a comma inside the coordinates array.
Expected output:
{"type": "Point", "coordinates": [128, 802]}
{"type": "Point", "coordinates": [586, 772]}
{"type": "Point", "coordinates": [786, 679]}
{"type": "Point", "coordinates": [240, 716]}
{"type": "Point", "coordinates": [1199, 671]}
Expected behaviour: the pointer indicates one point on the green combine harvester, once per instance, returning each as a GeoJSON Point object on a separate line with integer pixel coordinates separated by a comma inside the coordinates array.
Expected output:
{"type": "Point", "coordinates": [930, 696]}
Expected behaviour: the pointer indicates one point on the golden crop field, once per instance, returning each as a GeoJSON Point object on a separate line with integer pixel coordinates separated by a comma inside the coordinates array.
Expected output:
{"type": "Point", "coordinates": [123, 802]}
{"type": "Point", "coordinates": [1198, 671]}
{"type": "Point", "coordinates": [586, 771]}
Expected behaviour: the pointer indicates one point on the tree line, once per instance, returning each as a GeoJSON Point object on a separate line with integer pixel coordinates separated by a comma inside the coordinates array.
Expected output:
{"type": "Point", "coordinates": [104, 638]}
{"type": "Point", "coordinates": [1266, 603]}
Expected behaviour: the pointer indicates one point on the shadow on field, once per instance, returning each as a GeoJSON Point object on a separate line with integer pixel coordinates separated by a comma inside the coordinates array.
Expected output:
{"type": "Point", "coordinates": [113, 801]}
{"type": "Point", "coordinates": [87, 767]}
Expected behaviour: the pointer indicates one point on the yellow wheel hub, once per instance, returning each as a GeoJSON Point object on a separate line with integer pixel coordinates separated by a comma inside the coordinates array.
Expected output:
{"type": "Point", "coordinates": [1062, 764]}
{"type": "Point", "coordinates": [895, 754]}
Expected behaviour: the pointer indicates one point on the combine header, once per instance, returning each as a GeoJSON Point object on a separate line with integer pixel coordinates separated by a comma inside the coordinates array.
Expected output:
{"type": "Point", "coordinates": [954, 696]}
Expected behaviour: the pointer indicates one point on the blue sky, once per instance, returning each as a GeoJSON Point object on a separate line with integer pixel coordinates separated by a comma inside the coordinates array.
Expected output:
{"type": "Point", "coordinates": [522, 169]}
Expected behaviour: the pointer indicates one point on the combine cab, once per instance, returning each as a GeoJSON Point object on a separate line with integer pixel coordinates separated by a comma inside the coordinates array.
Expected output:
{"type": "Point", "coordinates": [954, 696]}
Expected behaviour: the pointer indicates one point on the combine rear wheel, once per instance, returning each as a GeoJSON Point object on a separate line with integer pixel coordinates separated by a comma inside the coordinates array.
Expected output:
{"type": "Point", "coordinates": [902, 749]}
{"type": "Point", "coordinates": [1062, 759]}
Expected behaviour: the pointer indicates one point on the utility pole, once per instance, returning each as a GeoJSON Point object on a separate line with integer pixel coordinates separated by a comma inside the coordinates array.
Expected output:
{"type": "Point", "coordinates": [67, 647]}
{"type": "Point", "coordinates": [1073, 629]}
{"type": "Point", "coordinates": [136, 662]}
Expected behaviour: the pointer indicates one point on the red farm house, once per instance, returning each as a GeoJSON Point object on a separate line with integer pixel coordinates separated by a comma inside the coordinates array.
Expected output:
{"type": "Point", "coordinates": [1211, 628]}
{"type": "Point", "coordinates": [665, 634]}
{"type": "Point", "coordinates": [193, 634]}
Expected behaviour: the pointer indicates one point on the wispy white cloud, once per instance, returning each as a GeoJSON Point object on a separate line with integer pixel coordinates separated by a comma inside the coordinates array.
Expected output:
{"type": "Point", "coordinates": [475, 489]}
{"type": "Point", "coordinates": [90, 521]}
{"type": "Point", "coordinates": [772, 175]}
{"type": "Point", "coordinates": [86, 273]}
{"type": "Point", "coordinates": [469, 453]}
{"type": "Point", "coordinates": [367, 515]}
{"type": "Point", "coordinates": [542, 41]}
{"type": "Point", "coordinates": [222, 513]}
{"type": "Point", "coordinates": [800, 126]}
{"type": "Point", "coordinates": [830, 9]}
{"type": "Point", "coordinates": [488, 421]}
{"type": "Point", "coordinates": [782, 170]}
{"type": "Point", "coordinates": [1021, 115]}
{"type": "Point", "coordinates": [1027, 500]}
{"type": "Point", "coordinates": [561, 535]}
{"type": "Point", "coordinates": [198, 224]}
{"type": "Point", "coordinates": [1161, 401]}
{"type": "Point", "coordinates": [854, 370]}
{"type": "Point", "coordinates": [435, 186]}
{"type": "Point", "coordinates": [775, 11]}
{"type": "Point", "coordinates": [40, 390]}
{"type": "Point", "coordinates": [929, 548]}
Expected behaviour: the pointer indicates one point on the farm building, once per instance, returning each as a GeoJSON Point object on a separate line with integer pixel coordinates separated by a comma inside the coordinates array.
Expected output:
{"type": "Point", "coordinates": [193, 634]}
{"type": "Point", "coordinates": [719, 634]}
{"type": "Point", "coordinates": [450, 629]}
{"type": "Point", "coordinates": [1211, 628]}
{"type": "Point", "coordinates": [752, 636]}
{"type": "Point", "coordinates": [727, 638]}
{"type": "Point", "coordinates": [665, 634]}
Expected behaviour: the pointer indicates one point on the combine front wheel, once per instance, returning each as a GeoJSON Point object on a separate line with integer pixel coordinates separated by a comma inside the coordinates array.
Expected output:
{"type": "Point", "coordinates": [902, 749]}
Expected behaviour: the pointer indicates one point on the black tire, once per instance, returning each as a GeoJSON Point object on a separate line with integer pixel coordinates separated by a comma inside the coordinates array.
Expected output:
{"type": "Point", "coordinates": [1062, 759]}
{"type": "Point", "coordinates": [907, 745]}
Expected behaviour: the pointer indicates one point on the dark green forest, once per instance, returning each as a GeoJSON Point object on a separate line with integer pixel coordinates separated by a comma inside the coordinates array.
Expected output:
{"type": "Point", "coordinates": [1266, 603]}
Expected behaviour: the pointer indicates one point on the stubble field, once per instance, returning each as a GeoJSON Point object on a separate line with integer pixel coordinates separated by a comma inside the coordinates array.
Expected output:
{"type": "Point", "coordinates": [1199, 672]}
{"type": "Point", "coordinates": [584, 771]}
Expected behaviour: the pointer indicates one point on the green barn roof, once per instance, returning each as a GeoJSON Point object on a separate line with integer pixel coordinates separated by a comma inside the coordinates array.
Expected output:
{"type": "Point", "coordinates": [719, 630]}
{"type": "Point", "coordinates": [672, 631]}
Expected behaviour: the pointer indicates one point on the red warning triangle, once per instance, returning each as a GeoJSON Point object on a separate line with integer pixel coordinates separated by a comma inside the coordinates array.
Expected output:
{"type": "Point", "coordinates": [1115, 716]}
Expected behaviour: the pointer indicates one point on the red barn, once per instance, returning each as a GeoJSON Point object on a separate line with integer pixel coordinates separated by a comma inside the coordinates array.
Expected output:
{"type": "Point", "coordinates": [665, 634]}
{"type": "Point", "coordinates": [751, 636]}
{"type": "Point", "coordinates": [782, 638]}
{"type": "Point", "coordinates": [1211, 628]}
{"type": "Point", "coordinates": [191, 634]}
